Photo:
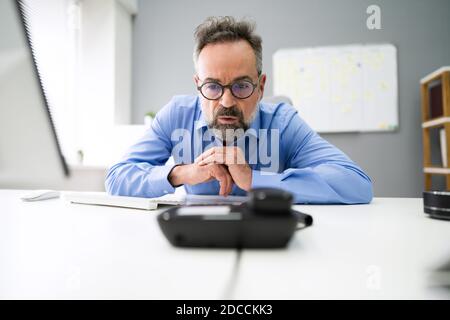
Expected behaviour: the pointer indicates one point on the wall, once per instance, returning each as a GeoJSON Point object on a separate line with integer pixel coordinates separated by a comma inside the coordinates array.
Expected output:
{"type": "Point", "coordinates": [162, 63]}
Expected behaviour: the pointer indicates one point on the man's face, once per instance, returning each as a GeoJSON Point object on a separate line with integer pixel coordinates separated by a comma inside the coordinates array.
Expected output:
{"type": "Point", "coordinates": [225, 63]}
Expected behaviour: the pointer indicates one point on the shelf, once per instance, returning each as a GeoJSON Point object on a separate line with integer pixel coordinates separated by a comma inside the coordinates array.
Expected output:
{"type": "Point", "coordinates": [435, 102]}
{"type": "Point", "coordinates": [435, 122]}
{"type": "Point", "coordinates": [436, 170]}
{"type": "Point", "coordinates": [435, 74]}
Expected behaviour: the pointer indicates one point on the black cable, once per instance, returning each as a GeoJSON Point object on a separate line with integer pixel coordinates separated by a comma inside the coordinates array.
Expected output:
{"type": "Point", "coordinates": [231, 286]}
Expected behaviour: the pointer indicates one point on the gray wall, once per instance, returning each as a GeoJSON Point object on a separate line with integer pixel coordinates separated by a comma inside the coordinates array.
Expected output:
{"type": "Point", "coordinates": [162, 66]}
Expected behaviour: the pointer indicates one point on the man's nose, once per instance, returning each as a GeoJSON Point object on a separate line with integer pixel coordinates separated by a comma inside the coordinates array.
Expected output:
{"type": "Point", "coordinates": [227, 100]}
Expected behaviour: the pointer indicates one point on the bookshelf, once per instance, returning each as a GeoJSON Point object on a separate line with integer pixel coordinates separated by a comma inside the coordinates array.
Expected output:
{"type": "Point", "coordinates": [435, 94]}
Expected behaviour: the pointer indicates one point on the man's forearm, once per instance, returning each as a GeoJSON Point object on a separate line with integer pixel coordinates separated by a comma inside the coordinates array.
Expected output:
{"type": "Point", "coordinates": [138, 180]}
{"type": "Point", "coordinates": [326, 183]}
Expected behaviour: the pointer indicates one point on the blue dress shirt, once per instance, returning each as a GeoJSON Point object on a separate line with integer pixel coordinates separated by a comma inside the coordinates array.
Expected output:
{"type": "Point", "coordinates": [312, 169]}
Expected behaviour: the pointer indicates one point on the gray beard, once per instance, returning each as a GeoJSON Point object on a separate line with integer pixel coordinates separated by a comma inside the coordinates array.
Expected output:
{"type": "Point", "coordinates": [228, 133]}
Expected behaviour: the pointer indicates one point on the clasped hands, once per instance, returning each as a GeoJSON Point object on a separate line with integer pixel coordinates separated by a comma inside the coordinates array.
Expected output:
{"type": "Point", "coordinates": [224, 164]}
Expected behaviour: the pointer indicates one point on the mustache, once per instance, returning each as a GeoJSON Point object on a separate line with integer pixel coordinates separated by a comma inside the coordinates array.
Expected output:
{"type": "Point", "coordinates": [233, 111]}
{"type": "Point", "coordinates": [228, 112]}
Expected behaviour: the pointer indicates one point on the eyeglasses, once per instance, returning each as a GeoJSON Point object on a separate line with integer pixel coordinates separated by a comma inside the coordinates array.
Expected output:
{"type": "Point", "coordinates": [241, 89]}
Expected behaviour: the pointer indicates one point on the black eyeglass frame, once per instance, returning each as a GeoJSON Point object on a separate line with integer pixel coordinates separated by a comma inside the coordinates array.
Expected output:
{"type": "Point", "coordinates": [254, 85]}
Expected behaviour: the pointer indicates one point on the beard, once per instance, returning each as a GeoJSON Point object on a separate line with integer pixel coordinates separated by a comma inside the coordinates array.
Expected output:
{"type": "Point", "coordinates": [233, 131]}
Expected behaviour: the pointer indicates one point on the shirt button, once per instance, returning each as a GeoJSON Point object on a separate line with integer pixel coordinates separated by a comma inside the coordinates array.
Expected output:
{"type": "Point", "coordinates": [165, 191]}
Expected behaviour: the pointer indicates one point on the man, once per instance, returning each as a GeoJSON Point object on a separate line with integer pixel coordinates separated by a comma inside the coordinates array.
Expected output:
{"type": "Point", "coordinates": [226, 141]}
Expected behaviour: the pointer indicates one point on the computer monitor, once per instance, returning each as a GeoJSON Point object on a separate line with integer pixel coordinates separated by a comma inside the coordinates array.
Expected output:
{"type": "Point", "coordinates": [30, 155]}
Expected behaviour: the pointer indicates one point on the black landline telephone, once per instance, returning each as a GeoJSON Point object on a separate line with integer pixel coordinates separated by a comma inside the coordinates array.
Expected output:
{"type": "Point", "coordinates": [266, 220]}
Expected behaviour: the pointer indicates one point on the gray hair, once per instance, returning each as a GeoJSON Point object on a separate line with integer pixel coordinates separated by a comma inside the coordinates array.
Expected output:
{"type": "Point", "coordinates": [227, 29]}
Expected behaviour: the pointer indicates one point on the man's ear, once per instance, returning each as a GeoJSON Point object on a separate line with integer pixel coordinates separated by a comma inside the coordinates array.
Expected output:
{"type": "Point", "coordinates": [195, 78]}
{"type": "Point", "coordinates": [262, 84]}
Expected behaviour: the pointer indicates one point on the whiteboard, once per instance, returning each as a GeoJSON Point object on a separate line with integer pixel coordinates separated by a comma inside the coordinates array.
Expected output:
{"type": "Point", "coordinates": [341, 89]}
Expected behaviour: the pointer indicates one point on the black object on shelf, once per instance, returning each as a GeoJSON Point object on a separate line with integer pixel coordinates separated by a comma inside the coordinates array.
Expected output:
{"type": "Point", "coordinates": [437, 204]}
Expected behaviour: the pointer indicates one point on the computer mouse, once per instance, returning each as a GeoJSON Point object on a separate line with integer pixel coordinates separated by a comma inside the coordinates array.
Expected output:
{"type": "Point", "coordinates": [38, 195]}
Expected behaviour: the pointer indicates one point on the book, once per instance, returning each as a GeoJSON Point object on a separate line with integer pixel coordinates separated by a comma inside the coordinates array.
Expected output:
{"type": "Point", "coordinates": [436, 109]}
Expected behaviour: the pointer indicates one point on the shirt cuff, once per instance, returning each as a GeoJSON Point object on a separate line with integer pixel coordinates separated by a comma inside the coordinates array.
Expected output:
{"type": "Point", "coordinates": [266, 179]}
{"type": "Point", "coordinates": [160, 179]}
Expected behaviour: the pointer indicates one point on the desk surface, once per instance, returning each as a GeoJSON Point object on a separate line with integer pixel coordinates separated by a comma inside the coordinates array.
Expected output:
{"type": "Point", "coordinates": [384, 250]}
{"type": "Point", "coordinates": [53, 249]}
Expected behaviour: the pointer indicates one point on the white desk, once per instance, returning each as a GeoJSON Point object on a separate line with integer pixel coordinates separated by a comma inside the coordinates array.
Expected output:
{"type": "Point", "coordinates": [53, 249]}
{"type": "Point", "coordinates": [382, 250]}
